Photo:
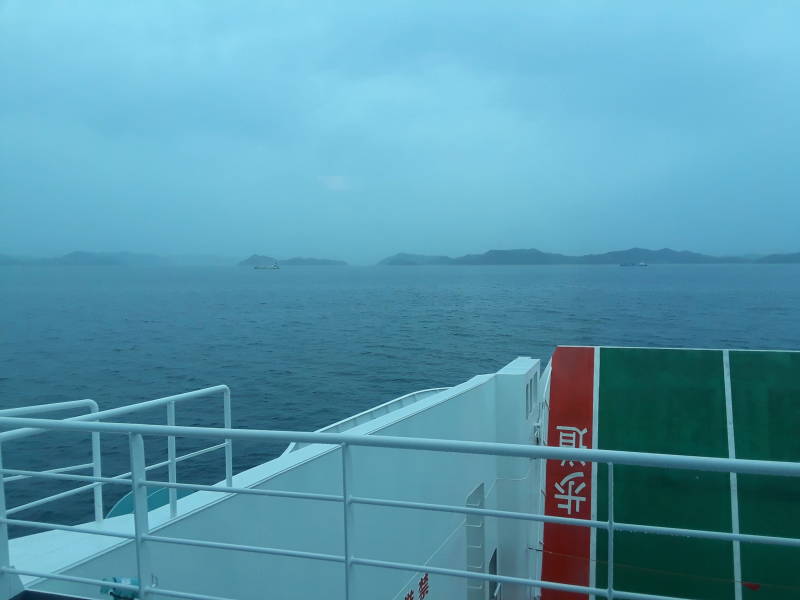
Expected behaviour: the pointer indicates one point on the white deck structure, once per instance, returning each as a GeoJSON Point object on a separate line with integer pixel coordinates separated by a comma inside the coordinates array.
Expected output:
{"type": "Point", "coordinates": [488, 408]}
{"type": "Point", "coordinates": [436, 495]}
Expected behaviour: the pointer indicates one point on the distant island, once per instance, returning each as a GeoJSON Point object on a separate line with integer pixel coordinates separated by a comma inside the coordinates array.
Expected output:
{"type": "Point", "coordinates": [531, 256]}
{"type": "Point", "coordinates": [132, 259]}
{"type": "Point", "coordinates": [665, 256]}
{"type": "Point", "coordinates": [403, 259]}
{"type": "Point", "coordinates": [259, 260]}
{"type": "Point", "coordinates": [78, 259]}
{"type": "Point", "coordinates": [780, 258]}
{"type": "Point", "coordinates": [299, 261]}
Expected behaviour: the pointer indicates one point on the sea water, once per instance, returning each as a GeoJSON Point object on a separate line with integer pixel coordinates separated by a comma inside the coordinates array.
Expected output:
{"type": "Point", "coordinates": [304, 347]}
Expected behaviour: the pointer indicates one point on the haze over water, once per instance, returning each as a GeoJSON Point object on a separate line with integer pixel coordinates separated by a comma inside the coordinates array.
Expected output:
{"type": "Point", "coordinates": [304, 347]}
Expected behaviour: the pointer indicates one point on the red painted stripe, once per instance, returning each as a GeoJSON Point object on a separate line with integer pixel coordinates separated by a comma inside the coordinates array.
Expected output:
{"type": "Point", "coordinates": [566, 547]}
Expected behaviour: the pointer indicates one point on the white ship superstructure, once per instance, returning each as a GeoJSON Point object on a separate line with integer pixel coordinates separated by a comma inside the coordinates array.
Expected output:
{"type": "Point", "coordinates": [499, 487]}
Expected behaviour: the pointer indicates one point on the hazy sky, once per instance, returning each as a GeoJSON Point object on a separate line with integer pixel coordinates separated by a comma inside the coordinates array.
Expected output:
{"type": "Point", "coordinates": [355, 130]}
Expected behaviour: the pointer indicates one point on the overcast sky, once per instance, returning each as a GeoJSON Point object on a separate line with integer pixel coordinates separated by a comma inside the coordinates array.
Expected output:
{"type": "Point", "coordinates": [355, 130]}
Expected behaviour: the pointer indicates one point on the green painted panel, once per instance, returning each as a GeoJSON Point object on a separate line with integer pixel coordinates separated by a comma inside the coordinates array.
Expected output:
{"type": "Point", "coordinates": [667, 565]}
{"type": "Point", "coordinates": [765, 389]}
{"type": "Point", "coordinates": [673, 402]}
{"type": "Point", "coordinates": [670, 401]}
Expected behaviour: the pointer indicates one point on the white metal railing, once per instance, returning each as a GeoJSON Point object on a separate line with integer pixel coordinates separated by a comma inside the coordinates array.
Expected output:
{"type": "Point", "coordinates": [95, 465]}
{"type": "Point", "coordinates": [97, 415]}
{"type": "Point", "coordinates": [142, 536]}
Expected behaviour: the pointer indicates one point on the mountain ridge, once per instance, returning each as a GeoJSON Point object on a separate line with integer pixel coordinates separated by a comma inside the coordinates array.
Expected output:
{"type": "Point", "coordinates": [533, 256]}
{"type": "Point", "coordinates": [529, 256]}
{"type": "Point", "coordinates": [791, 257]}
{"type": "Point", "coordinates": [259, 260]}
{"type": "Point", "coordinates": [300, 261]}
{"type": "Point", "coordinates": [80, 258]}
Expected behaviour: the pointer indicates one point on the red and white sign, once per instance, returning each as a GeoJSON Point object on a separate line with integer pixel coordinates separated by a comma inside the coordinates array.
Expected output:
{"type": "Point", "coordinates": [568, 484]}
{"type": "Point", "coordinates": [424, 588]}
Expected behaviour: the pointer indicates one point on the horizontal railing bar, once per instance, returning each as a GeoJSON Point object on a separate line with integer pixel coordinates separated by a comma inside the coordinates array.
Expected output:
{"type": "Point", "coordinates": [22, 433]}
{"type": "Point", "coordinates": [122, 410]}
{"type": "Point", "coordinates": [706, 534]}
{"type": "Point", "coordinates": [35, 503]}
{"type": "Point", "coordinates": [486, 512]}
{"type": "Point", "coordinates": [70, 578]}
{"type": "Point", "coordinates": [237, 490]}
{"type": "Point", "coordinates": [66, 476]}
{"type": "Point", "coordinates": [365, 562]}
{"type": "Point", "coordinates": [50, 407]}
{"type": "Point", "coordinates": [564, 587]}
{"type": "Point", "coordinates": [186, 456]}
{"type": "Point", "coordinates": [147, 404]}
{"type": "Point", "coordinates": [178, 459]}
{"type": "Point", "coordinates": [74, 528]}
{"type": "Point", "coordinates": [639, 596]}
{"type": "Point", "coordinates": [629, 527]}
{"type": "Point", "coordinates": [59, 470]}
{"type": "Point", "coordinates": [245, 548]}
{"type": "Point", "coordinates": [669, 461]}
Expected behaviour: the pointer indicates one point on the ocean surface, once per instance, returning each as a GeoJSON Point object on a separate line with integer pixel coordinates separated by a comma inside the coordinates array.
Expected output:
{"type": "Point", "coordinates": [304, 347]}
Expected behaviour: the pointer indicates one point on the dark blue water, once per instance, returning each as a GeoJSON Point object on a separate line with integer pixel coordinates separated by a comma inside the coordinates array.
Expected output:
{"type": "Point", "coordinates": [301, 348]}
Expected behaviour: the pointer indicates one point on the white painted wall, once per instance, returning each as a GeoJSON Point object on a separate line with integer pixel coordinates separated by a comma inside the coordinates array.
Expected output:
{"type": "Point", "coordinates": [485, 408]}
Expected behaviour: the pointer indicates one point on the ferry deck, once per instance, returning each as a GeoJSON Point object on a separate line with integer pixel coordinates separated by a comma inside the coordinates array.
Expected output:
{"type": "Point", "coordinates": [714, 403]}
{"type": "Point", "coordinates": [646, 474]}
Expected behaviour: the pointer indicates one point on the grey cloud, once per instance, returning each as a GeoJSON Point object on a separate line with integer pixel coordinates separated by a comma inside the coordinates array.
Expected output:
{"type": "Point", "coordinates": [356, 130]}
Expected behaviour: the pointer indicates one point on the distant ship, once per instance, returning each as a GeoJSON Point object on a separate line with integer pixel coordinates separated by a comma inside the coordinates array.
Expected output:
{"type": "Point", "coordinates": [637, 473]}
{"type": "Point", "coordinates": [632, 264]}
{"type": "Point", "coordinates": [265, 267]}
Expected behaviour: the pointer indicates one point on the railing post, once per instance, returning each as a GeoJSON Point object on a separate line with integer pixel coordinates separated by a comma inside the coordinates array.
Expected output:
{"type": "Point", "coordinates": [610, 531]}
{"type": "Point", "coordinates": [226, 404]}
{"type": "Point", "coordinates": [4, 550]}
{"type": "Point", "coordinates": [10, 584]}
{"type": "Point", "coordinates": [140, 517]}
{"type": "Point", "coordinates": [97, 471]}
{"type": "Point", "coordinates": [172, 468]}
{"type": "Point", "coordinates": [347, 521]}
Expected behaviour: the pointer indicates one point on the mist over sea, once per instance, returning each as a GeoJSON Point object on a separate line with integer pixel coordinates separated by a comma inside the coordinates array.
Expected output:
{"type": "Point", "coordinates": [304, 347]}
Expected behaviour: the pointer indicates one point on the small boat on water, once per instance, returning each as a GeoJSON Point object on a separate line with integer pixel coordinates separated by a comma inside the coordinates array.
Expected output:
{"type": "Point", "coordinates": [274, 267]}
{"type": "Point", "coordinates": [632, 264]}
